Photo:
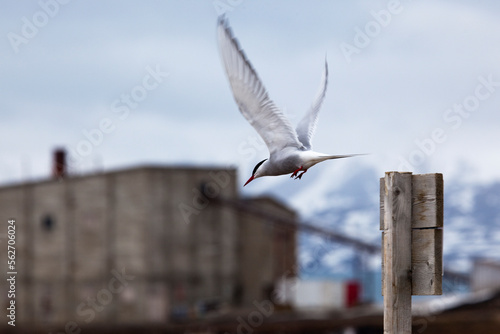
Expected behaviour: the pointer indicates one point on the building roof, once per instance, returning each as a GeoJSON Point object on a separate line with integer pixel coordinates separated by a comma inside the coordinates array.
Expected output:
{"type": "Point", "coordinates": [127, 169]}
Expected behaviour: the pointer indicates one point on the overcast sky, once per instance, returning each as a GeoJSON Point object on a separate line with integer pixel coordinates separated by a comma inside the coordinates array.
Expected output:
{"type": "Point", "coordinates": [119, 83]}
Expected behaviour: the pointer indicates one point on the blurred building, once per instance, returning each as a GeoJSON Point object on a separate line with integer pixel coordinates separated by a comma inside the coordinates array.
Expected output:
{"type": "Point", "coordinates": [140, 245]}
{"type": "Point", "coordinates": [485, 275]}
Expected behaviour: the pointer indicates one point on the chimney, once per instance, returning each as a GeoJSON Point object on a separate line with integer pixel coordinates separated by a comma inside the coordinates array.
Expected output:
{"type": "Point", "coordinates": [59, 164]}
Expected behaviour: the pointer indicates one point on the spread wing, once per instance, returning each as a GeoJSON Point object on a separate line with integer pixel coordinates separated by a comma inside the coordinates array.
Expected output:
{"type": "Point", "coordinates": [306, 127]}
{"type": "Point", "coordinates": [251, 95]}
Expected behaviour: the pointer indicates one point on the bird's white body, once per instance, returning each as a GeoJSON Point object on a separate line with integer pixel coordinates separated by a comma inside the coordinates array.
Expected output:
{"type": "Point", "coordinates": [291, 159]}
{"type": "Point", "coordinates": [290, 150]}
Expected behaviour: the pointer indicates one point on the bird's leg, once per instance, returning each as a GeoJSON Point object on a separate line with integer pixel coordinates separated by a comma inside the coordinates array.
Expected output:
{"type": "Point", "coordinates": [300, 176]}
{"type": "Point", "coordinates": [295, 173]}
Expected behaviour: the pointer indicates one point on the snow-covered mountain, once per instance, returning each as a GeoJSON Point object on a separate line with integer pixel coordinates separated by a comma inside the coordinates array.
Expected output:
{"type": "Point", "coordinates": [345, 197]}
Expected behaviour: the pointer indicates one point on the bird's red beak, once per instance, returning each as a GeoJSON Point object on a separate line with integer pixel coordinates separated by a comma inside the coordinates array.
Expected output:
{"type": "Point", "coordinates": [249, 180]}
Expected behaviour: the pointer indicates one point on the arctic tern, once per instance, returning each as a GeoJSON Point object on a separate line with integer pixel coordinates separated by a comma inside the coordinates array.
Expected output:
{"type": "Point", "coordinates": [290, 150]}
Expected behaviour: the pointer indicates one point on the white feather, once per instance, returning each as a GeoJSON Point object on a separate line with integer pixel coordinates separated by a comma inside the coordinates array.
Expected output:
{"type": "Point", "coordinates": [307, 126]}
{"type": "Point", "coordinates": [251, 96]}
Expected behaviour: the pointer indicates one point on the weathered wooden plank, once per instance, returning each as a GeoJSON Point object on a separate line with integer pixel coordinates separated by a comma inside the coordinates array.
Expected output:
{"type": "Point", "coordinates": [397, 252]}
{"type": "Point", "coordinates": [426, 262]}
{"type": "Point", "coordinates": [427, 198]}
{"type": "Point", "coordinates": [383, 263]}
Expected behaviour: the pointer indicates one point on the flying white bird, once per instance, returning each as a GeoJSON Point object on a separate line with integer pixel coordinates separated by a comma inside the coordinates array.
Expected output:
{"type": "Point", "coordinates": [290, 149]}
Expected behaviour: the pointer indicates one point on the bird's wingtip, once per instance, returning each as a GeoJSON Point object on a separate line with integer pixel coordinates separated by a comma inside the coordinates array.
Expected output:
{"type": "Point", "coordinates": [222, 20]}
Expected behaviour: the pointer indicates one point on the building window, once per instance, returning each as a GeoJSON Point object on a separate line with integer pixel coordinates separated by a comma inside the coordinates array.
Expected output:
{"type": "Point", "coordinates": [48, 223]}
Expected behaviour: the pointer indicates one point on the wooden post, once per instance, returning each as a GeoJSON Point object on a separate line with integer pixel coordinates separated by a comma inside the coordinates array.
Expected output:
{"type": "Point", "coordinates": [411, 218]}
{"type": "Point", "coordinates": [397, 253]}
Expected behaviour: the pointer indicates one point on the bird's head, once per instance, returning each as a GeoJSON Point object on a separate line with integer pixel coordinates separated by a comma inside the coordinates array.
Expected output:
{"type": "Point", "coordinates": [256, 172]}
